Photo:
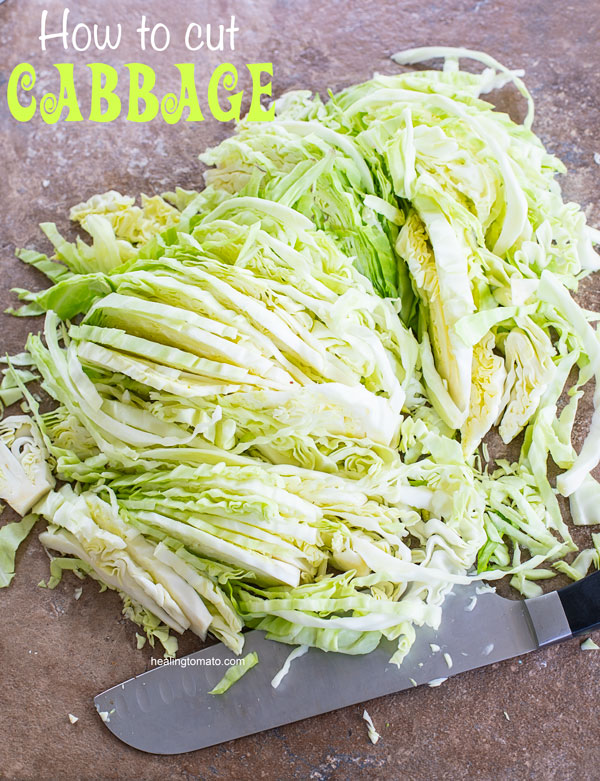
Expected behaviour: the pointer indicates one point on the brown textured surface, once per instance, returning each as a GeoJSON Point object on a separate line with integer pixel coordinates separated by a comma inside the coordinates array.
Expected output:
{"type": "Point", "coordinates": [57, 653]}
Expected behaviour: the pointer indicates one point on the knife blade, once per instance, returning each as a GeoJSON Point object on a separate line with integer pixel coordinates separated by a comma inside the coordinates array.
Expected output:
{"type": "Point", "coordinates": [168, 710]}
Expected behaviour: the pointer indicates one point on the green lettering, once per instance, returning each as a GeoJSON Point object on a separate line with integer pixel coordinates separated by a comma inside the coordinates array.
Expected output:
{"type": "Point", "coordinates": [23, 75]}
{"type": "Point", "coordinates": [107, 93]}
{"type": "Point", "coordinates": [172, 107]}
{"type": "Point", "coordinates": [228, 73]}
{"type": "Point", "coordinates": [141, 91]}
{"type": "Point", "coordinates": [51, 105]}
{"type": "Point", "coordinates": [257, 113]}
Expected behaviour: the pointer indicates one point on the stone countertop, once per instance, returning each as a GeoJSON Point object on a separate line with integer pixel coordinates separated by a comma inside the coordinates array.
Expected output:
{"type": "Point", "coordinates": [57, 653]}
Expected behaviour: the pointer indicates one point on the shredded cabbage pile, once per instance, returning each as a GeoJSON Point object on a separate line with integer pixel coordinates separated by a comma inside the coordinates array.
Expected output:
{"type": "Point", "coordinates": [271, 396]}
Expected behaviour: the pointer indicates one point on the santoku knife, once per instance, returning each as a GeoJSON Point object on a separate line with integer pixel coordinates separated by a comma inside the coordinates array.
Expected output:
{"type": "Point", "coordinates": [168, 710]}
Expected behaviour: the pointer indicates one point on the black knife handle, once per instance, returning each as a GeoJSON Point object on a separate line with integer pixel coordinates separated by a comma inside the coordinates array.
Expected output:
{"type": "Point", "coordinates": [581, 603]}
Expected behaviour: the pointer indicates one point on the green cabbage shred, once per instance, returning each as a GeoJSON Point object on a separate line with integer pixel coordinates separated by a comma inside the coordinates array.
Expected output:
{"type": "Point", "coordinates": [235, 672]}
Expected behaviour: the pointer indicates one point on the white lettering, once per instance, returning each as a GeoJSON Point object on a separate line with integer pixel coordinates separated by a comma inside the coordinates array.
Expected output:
{"type": "Point", "coordinates": [167, 34]}
{"type": "Point", "coordinates": [142, 30]}
{"type": "Point", "coordinates": [76, 29]}
{"type": "Point", "coordinates": [107, 40]}
{"type": "Point", "coordinates": [47, 36]}
{"type": "Point", "coordinates": [188, 33]}
{"type": "Point", "coordinates": [232, 29]}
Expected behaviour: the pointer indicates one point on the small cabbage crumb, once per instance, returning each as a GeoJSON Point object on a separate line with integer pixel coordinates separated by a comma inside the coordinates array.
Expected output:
{"type": "Point", "coordinates": [141, 640]}
{"type": "Point", "coordinates": [506, 716]}
{"type": "Point", "coordinates": [437, 682]}
{"type": "Point", "coordinates": [73, 719]}
{"type": "Point", "coordinates": [412, 680]}
{"type": "Point", "coordinates": [297, 652]}
{"type": "Point", "coordinates": [448, 660]}
{"type": "Point", "coordinates": [434, 648]}
{"type": "Point", "coordinates": [373, 734]}
{"type": "Point", "coordinates": [589, 645]}
{"type": "Point", "coordinates": [78, 592]}
{"type": "Point", "coordinates": [485, 589]}
{"type": "Point", "coordinates": [597, 158]}
{"type": "Point", "coordinates": [104, 715]}
{"type": "Point", "coordinates": [471, 605]}
{"type": "Point", "coordinates": [488, 649]}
